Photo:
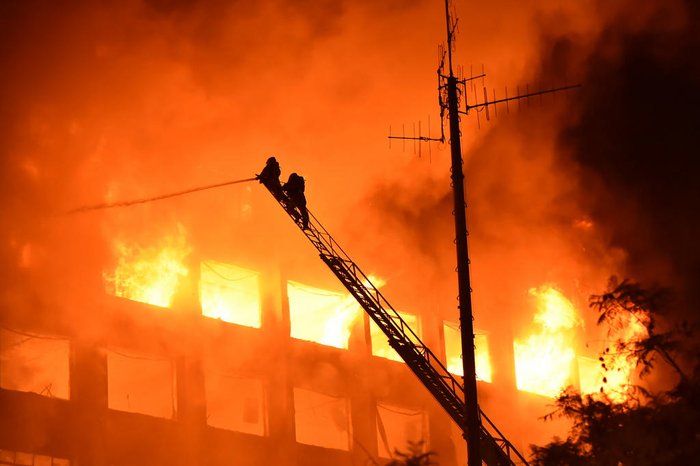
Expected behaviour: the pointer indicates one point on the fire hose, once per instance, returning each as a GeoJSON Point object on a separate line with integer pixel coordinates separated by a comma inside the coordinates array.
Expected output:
{"type": "Point", "coordinates": [109, 205]}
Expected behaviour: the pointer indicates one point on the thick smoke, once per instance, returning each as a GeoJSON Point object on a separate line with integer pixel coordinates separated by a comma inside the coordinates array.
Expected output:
{"type": "Point", "coordinates": [568, 191]}
{"type": "Point", "coordinates": [635, 137]}
{"type": "Point", "coordinates": [599, 181]}
{"type": "Point", "coordinates": [122, 100]}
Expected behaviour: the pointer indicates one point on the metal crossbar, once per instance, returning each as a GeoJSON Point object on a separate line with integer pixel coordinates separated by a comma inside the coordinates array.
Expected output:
{"type": "Point", "coordinates": [496, 449]}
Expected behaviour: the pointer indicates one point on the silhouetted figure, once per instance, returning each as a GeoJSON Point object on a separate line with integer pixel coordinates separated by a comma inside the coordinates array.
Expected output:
{"type": "Point", "coordinates": [294, 188]}
{"type": "Point", "coordinates": [270, 177]}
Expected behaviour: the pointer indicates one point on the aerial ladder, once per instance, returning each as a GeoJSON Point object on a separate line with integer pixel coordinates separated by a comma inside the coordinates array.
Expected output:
{"type": "Point", "coordinates": [496, 450]}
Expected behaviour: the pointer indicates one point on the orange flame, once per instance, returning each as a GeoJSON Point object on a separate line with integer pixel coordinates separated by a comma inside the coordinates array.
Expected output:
{"type": "Point", "coordinates": [336, 330]}
{"type": "Point", "coordinates": [321, 316]}
{"type": "Point", "coordinates": [544, 361]}
{"type": "Point", "coordinates": [149, 275]}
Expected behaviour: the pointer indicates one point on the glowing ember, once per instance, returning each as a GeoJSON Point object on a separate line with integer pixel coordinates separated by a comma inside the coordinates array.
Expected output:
{"type": "Point", "coordinates": [584, 224]}
{"type": "Point", "coordinates": [453, 351]}
{"type": "Point", "coordinates": [149, 275]}
{"type": "Point", "coordinates": [543, 361]}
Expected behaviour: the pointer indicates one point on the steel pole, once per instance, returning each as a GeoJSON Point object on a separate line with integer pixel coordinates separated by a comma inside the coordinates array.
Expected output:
{"type": "Point", "coordinates": [471, 406]}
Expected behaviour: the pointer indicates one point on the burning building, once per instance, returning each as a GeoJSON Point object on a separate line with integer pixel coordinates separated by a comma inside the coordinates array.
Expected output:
{"type": "Point", "coordinates": [198, 360]}
{"type": "Point", "coordinates": [203, 330]}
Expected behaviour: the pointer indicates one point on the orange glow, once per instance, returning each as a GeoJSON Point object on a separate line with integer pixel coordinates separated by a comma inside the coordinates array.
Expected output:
{"type": "Point", "coordinates": [453, 352]}
{"type": "Point", "coordinates": [235, 403]}
{"type": "Point", "coordinates": [337, 329]}
{"type": "Point", "coordinates": [230, 293]}
{"type": "Point", "coordinates": [584, 224]}
{"type": "Point", "coordinates": [149, 275]}
{"type": "Point", "coordinates": [380, 343]}
{"type": "Point", "coordinates": [321, 316]}
{"type": "Point", "coordinates": [397, 426]}
{"type": "Point", "coordinates": [322, 420]}
{"type": "Point", "coordinates": [543, 361]}
{"type": "Point", "coordinates": [34, 364]}
{"type": "Point", "coordinates": [139, 383]}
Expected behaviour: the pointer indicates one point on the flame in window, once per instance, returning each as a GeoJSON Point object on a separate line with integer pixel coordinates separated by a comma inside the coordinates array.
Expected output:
{"type": "Point", "coordinates": [149, 274]}
{"type": "Point", "coordinates": [544, 360]}
{"type": "Point", "coordinates": [230, 293]}
{"type": "Point", "coordinates": [453, 351]}
{"type": "Point", "coordinates": [321, 316]}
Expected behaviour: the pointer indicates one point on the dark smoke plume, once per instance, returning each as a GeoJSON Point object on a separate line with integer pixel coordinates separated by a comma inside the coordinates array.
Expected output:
{"type": "Point", "coordinates": [636, 136]}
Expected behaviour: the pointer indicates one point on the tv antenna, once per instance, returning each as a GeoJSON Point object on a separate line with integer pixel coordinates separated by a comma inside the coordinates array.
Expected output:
{"type": "Point", "coordinates": [450, 88]}
{"type": "Point", "coordinates": [474, 100]}
{"type": "Point", "coordinates": [469, 84]}
{"type": "Point", "coordinates": [418, 138]}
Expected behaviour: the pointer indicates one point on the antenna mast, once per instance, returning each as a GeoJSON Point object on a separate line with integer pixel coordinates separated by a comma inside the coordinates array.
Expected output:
{"type": "Point", "coordinates": [450, 88]}
{"type": "Point", "coordinates": [471, 404]}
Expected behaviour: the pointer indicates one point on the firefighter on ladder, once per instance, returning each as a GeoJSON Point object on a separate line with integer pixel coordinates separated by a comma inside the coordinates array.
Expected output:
{"type": "Point", "coordinates": [294, 189]}
{"type": "Point", "coordinates": [270, 177]}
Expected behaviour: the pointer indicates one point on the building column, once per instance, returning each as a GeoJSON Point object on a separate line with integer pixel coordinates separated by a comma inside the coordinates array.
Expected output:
{"type": "Point", "coordinates": [279, 389]}
{"type": "Point", "coordinates": [189, 370]}
{"type": "Point", "coordinates": [503, 358]}
{"type": "Point", "coordinates": [439, 423]}
{"type": "Point", "coordinates": [88, 393]}
{"type": "Point", "coordinates": [363, 404]}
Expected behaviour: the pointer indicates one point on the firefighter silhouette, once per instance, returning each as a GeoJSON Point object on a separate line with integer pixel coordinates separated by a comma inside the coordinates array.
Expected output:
{"type": "Point", "coordinates": [270, 177]}
{"type": "Point", "coordinates": [294, 189]}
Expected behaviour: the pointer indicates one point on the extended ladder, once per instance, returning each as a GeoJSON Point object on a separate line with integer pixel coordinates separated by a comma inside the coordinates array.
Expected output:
{"type": "Point", "coordinates": [496, 449]}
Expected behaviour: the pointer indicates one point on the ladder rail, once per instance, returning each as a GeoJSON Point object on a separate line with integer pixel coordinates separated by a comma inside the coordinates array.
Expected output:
{"type": "Point", "coordinates": [337, 251]}
{"type": "Point", "coordinates": [438, 385]}
{"type": "Point", "coordinates": [403, 328]}
{"type": "Point", "coordinates": [500, 439]}
{"type": "Point", "coordinates": [418, 357]}
{"type": "Point", "coordinates": [453, 390]}
{"type": "Point", "coordinates": [319, 236]}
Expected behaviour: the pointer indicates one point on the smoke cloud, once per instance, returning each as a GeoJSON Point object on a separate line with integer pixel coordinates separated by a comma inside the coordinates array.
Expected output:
{"type": "Point", "coordinates": [635, 137]}
{"type": "Point", "coordinates": [597, 182]}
